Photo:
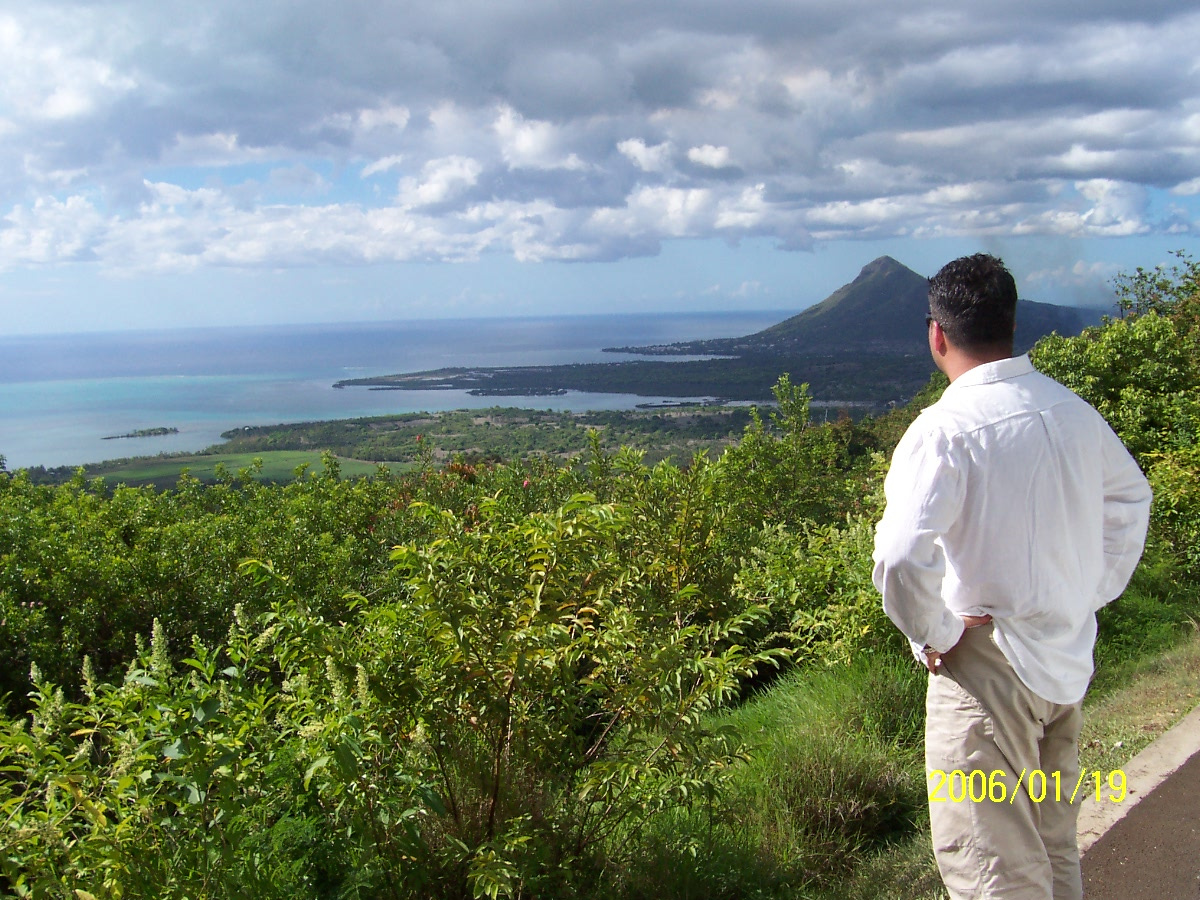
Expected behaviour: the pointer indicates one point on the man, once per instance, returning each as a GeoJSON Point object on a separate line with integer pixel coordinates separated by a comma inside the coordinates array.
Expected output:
{"type": "Point", "coordinates": [1013, 514]}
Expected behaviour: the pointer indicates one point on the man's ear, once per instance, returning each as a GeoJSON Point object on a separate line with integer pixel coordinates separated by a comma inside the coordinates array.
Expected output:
{"type": "Point", "coordinates": [937, 339]}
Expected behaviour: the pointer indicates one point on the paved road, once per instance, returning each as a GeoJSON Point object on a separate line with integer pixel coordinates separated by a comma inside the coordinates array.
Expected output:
{"type": "Point", "coordinates": [1153, 851]}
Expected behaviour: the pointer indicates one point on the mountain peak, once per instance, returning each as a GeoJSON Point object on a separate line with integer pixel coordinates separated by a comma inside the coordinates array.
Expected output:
{"type": "Point", "coordinates": [882, 267]}
{"type": "Point", "coordinates": [882, 311]}
{"type": "Point", "coordinates": [877, 309]}
{"type": "Point", "coordinates": [884, 263]}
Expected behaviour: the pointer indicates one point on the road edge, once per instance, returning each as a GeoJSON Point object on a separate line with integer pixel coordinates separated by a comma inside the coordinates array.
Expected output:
{"type": "Point", "coordinates": [1143, 774]}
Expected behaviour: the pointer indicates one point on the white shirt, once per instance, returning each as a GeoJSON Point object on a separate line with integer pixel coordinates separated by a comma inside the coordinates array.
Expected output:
{"type": "Point", "coordinates": [1011, 496]}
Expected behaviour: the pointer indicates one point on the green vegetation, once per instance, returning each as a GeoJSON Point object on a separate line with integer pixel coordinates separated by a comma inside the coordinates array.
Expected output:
{"type": "Point", "coordinates": [499, 433]}
{"type": "Point", "coordinates": [867, 377]}
{"type": "Point", "coordinates": [209, 468]}
{"type": "Point", "coordinates": [554, 676]}
{"type": "Point", "coordinates": [403, 441]}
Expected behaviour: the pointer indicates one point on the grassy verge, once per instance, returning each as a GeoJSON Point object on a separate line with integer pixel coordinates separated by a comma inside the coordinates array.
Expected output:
{"type": "Point", "coordinates": [1147, 664]}
{"type": "Point", "coordinates": [1157, 693]}
{"type": "Point", "coordinates": [834, 776]}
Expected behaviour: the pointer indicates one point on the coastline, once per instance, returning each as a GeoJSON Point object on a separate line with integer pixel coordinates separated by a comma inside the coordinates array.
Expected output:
{"type": "Point", "coordinates": [60, 395]}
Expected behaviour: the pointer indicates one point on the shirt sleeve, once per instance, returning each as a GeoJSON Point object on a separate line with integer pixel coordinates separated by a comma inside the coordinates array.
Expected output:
{"type": "Point", "coordinates": [1127, 499]}
{"type": "Point", "coordinates": [924, 490]}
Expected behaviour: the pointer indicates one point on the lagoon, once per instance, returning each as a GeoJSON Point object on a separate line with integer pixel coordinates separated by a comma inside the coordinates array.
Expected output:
{"type": "Point", "coordinates": [62, 395]}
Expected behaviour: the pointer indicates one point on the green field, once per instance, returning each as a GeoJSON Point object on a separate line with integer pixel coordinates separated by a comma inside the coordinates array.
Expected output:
{"type": "Point", "coordinates": [277, 466]}
{"type": "Point", "coordinates": [401, 441]}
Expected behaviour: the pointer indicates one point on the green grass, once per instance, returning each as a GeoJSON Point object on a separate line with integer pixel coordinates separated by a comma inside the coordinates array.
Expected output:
{"type": "Point", "coordinates": [1157, 690]}
{"type": "Point", "coordinates": [1159, 604]}
{"type": "Point", "coordinates": [834, 777]}
{"type": "Point", "coordinates": [277, 466]}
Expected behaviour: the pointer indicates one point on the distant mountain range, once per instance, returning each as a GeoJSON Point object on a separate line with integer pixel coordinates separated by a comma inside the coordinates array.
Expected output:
{"type": "Point", "coordinates": [882, 311]}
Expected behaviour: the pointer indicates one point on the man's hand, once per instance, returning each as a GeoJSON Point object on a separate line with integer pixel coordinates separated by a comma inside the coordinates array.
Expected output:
{"type": "Point", "coordinates": [933, 659]}
{"type": "Point", "coordinates": [973, 621]}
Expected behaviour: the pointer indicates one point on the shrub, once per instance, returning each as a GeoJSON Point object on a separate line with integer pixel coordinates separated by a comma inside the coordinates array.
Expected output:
{"type": "Point", "coordinates": [203, 779]}
{"type": "Point", "coordinates": [563, 698]}
{"type": "Point", "coordinates": [1138, 373]}
{"type": "Point", "coordinates": [816, 582]}
{"type": "Point", "coordinates": [1175, 514]}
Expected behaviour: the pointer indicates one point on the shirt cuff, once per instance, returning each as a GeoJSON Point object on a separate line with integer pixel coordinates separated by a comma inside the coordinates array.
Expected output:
{"type": "Point", "coordinates": [948, 633]}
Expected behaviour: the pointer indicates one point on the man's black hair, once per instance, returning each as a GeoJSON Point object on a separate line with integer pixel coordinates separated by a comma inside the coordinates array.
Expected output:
{"type": "Point", "coordinates": [974, 299]}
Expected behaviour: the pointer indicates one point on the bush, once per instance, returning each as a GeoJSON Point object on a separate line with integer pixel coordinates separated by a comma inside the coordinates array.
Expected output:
{"type": "Point", "coordinates": [1175, 514]}
{"type": "Point", "coordinates": [1138, 373]}
{"type": "Point", "coordinates": [204, 779]}
{"type": "Point", "coordinates": [564, 698]}
{"type": "Point", "coordinates": [816, 582]}
{"type": "Point", "coordinates": [83, 571]}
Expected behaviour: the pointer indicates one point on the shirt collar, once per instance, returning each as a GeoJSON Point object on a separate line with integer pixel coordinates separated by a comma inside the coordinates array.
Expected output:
{"type": "Point", "coordinates": [1000, 370]}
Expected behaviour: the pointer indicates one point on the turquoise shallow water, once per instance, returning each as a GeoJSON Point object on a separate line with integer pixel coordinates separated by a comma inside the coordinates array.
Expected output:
{"type": "Point", "coordinates": [61, 395]}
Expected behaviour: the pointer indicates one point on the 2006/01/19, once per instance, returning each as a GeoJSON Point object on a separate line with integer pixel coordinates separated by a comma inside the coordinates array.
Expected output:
{"type": "Point", "coordinates": [978, 786]}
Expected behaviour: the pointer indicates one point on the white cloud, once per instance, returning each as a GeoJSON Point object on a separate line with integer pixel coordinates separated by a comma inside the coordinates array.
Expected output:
{"type": "Point", "coordinates": [708, 155]}
{"type": "Point", "coordinates": [531, 144]}
{"type": "Point", "coordinates": [1083, 283]}
{"type": "Point", "coordinates": [384, 117]}
{"type": "Point", "coordinates": [211, 150]}
{"type": "Point", "coordinates": [441, 180]}
{"type": "Point", "coordinates": [48, 71]}
{"type": "Point", "coordinates": [51, 231]}
{"type": "Point", "coordinates": [1187, 188]}
{"type": "Point", "coordinates": [382, 165]}
{"type": "Point", "coordinates": [498, 123]}
{"type": "Point", "coordinates": [648, 159]}
{"type": "Point", "coordinates": [1117, 208]}
{"type": "Point", "coordinates": [1083, 159]}
{"type": "Point", "coordinates": [666, 211]}
{"type": "Point", "coordinates": [865, 213]}
{"type": "Point", "coordinates": [297, 180]}
{"type": "Point", "coordinates": [1078, 274]}
{"type": "Point", "coordinates": [745, 212]}
{"type": "Point", "coordinates": [743, 291]}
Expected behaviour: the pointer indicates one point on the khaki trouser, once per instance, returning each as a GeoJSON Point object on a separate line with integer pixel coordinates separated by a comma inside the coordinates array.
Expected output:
{"type": "Point", "coordinates": [999, 843]}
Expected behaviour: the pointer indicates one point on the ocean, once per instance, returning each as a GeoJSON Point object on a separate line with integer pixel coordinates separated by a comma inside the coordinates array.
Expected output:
{"type": "Point", "coordinates": [62, 395]}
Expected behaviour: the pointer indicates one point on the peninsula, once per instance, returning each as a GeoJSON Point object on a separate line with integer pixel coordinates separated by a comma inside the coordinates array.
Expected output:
{"type": "Point", "coordinates": [142, 432]}
{"type": "Point", "coordinates": [865, 343]}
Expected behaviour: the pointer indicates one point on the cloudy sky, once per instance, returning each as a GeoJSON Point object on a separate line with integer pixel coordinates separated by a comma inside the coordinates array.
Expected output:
{"type": "Point", "coordinates": [198, 163]}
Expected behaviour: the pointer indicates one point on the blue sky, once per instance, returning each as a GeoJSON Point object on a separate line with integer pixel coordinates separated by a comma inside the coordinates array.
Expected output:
{"type": "Point", "coordinates": [176, 164]}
